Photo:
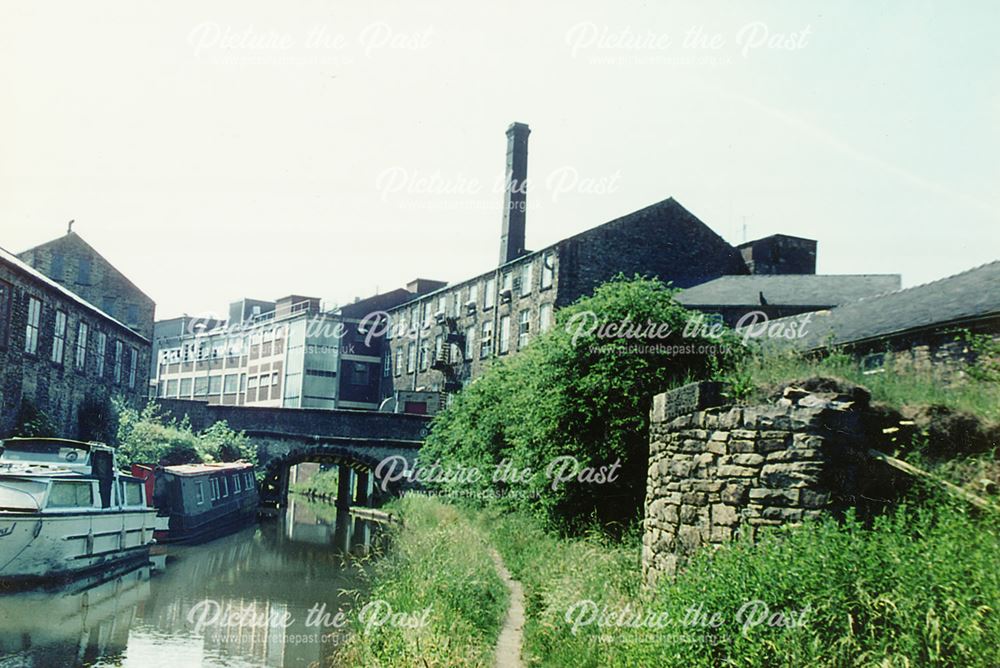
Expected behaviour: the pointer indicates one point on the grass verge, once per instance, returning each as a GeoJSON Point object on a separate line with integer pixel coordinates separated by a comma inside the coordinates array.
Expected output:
{"type": "Point", "coordinates": [439, 559]}
{"type": "Point", "coordinates": [919, 588]}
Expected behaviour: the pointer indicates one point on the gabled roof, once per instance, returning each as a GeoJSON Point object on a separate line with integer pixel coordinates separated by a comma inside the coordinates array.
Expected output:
{"type": "Point", "coordinates": [20, 265]}
{"type": "Point", "coordinates": [747, 244]}
{"type": "Point", "coordinates": [788, 289]}
{"type": "Point", "coordinates": [971, 295]}
{"type": "Point", "coordinates": [73, 236]}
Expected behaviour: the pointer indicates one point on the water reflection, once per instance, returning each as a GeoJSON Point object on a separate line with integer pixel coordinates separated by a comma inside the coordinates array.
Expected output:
{"type": "Point", "coordinates": [267, 577]}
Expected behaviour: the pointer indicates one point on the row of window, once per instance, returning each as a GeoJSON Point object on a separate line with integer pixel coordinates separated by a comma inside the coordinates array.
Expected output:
{"type": "Point", "coordinates": [83, 346]}
{"type": "Point", "coordinates": [216, 348]}
{"type": "Point", "coordinates": [519, 282]}
{"type": "Point", "coordinates": [220, 487]}
{"type": "Point", "coordinates": [453, 353]}
{"type": "Point", "coordinates": [83, 494]}
{"type": "Point", "coordinates": [230, 383]}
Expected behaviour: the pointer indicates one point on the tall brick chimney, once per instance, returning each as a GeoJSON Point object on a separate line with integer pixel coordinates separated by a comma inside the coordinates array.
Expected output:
{"type": "Point", "coordinates": [515, 199]}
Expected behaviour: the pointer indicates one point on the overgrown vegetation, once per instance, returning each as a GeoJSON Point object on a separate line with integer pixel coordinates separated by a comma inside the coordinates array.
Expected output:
{"type": "Point", "coordinates": [439, 561]}
{"type": "Point", "coordinates": [147, 437]}
{"type": "Point", "coordinates": [918, 588]}
{"type": "Point", "coordinates": [32, 421]}
{"type": "Point", "coordinates": [898, 387]}
{"type": "Point", "coordinates": [580, 390]}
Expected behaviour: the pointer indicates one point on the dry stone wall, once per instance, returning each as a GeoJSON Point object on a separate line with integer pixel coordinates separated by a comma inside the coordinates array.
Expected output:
{"type": "Point", "coordinates": [719, 472]}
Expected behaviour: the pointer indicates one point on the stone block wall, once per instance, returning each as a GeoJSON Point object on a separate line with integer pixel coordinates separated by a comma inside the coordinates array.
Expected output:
{"type": "Point", "coordinates": [717, 473]}
{"type": "Point", "coordinates": [66, 386]}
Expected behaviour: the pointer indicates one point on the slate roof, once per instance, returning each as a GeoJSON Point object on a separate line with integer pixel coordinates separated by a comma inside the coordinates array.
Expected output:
{"type": "Point", "coordinates": [964, 297]}
{"type": "Point", "coordinates": [788, 289]}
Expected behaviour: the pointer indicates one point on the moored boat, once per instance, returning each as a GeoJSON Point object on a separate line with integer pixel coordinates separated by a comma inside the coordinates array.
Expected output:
{"type": "Point", "coordinates": [201, 500]}
{"type": "Point", "coordinates": [66, 509]}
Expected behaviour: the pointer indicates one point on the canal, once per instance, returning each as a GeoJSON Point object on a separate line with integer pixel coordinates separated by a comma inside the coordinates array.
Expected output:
{"type": "Point", "coordinates": [254, 598]}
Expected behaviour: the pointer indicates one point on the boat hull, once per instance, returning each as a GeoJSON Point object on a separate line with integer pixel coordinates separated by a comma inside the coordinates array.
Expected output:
{"type": "Point", "coordinates": [199, 528]}
{"type": "Point", "coordinates": [42, 546]}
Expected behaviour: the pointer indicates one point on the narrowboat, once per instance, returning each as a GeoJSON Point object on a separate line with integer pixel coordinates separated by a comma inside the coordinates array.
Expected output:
{"type": "Point", "coordinates": [201, 500]}
{"type": "Point", "coordinates": [66, 509]}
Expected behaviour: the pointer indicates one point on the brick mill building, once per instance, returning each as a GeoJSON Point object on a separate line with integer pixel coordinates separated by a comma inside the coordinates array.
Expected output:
{"type": "Point", "coordinates": [440, 336]}
{"type": "Point", "coordinates": [447, 336]}
{"type": "Point", "coordinates": [59, 353]}
{"type": "Point", "coordinates": [74, 264]}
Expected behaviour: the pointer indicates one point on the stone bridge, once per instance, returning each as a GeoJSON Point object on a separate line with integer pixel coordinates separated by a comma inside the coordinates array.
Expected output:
{"type": "Point", "coordinates": [356, 441]}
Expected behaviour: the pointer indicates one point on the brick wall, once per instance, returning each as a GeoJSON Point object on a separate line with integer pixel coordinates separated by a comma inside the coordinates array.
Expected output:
{"type": "Point", "coordinates": [97, 280]}
{"type": "Point", "coordinates": [59, 388]}
{"type": "Point", "coordinates": [716, 473]}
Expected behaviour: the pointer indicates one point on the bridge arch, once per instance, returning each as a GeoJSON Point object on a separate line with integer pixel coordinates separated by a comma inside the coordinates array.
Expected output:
{"type": "Point", "coordinates": [357, 486]}
{"type": "Point", "coordinates": [357, 461]}
{"type": "Point", "coordinates": [354, 440]}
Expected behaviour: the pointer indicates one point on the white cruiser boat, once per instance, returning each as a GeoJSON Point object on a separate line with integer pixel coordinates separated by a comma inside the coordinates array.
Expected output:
{"type": "Point", "coordinates": [65, 509]}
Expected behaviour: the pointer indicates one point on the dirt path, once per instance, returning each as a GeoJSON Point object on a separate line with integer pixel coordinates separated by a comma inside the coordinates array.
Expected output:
{"type": "Point", "coordinates": [508, 647]}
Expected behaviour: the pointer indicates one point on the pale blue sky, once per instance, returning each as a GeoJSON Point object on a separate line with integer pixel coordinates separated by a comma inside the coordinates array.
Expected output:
{"type": "Point", "coordinates": [262, 149]}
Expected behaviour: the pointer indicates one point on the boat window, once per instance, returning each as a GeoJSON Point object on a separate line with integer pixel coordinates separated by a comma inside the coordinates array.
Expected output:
{"type": "Point", "coordinates": [214, 485]}
{"type": "Point", "coordinates": [132, 493]}
{"type": "Point", "coordinates": [225, 486]}
{"type": "Point", "coordinates": [249, 479]}
{"type": "Point", "coordinates": [71, 494]}
{"type": "Point", "coordinates": [236, 483]}
{"type": "Point", "coordinates": [199, 492]}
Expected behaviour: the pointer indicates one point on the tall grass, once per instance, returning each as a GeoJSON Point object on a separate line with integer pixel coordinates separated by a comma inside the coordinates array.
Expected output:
{"type": "Point", "coordinates": [440, 560]}
{"type": "Point", "coordinates": [896, 387]}
{"type": "Point", "coordinates": [919, 588]}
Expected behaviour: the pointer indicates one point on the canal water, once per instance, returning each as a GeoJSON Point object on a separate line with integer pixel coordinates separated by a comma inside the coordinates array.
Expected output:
{"type": "Point", "coordinates": [254, 598]}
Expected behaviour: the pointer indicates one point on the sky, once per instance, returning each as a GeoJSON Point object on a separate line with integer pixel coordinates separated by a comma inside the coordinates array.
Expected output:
{"type": "Point", "coordinates": [336, 149]}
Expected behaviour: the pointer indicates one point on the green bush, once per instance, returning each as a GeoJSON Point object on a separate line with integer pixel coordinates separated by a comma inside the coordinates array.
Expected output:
{"type": "Point", "coordinates": [146, 437]}
{"type": "Point", "coordinates": [577, 393]}
{"type": "Point", "coordinates": [222, 444]}
{"type": "Point", "coordinates": [33, 421]}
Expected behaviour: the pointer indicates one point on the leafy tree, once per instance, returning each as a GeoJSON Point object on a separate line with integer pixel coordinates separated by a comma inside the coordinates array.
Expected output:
{"type": "Point", "coordinates": [147, 437]}
{"type": "Point", "coordinates": [223, 444]}
{"type": "Point", "coordinates": [582, 390]}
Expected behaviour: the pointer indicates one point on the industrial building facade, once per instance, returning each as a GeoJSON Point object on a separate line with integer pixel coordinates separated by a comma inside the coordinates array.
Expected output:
{"type": "Point", "coordinates": [290, 353]}
{"type": "Point", "coordinates": [436, 337]}
{"type": "Point", "coordinates": [61, 358]}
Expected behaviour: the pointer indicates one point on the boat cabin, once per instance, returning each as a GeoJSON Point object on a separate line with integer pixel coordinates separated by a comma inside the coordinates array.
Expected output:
{"type": "Point", "coordinates": [51, 475]}
{"type": "Point", "coordinates": [201, 499]}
